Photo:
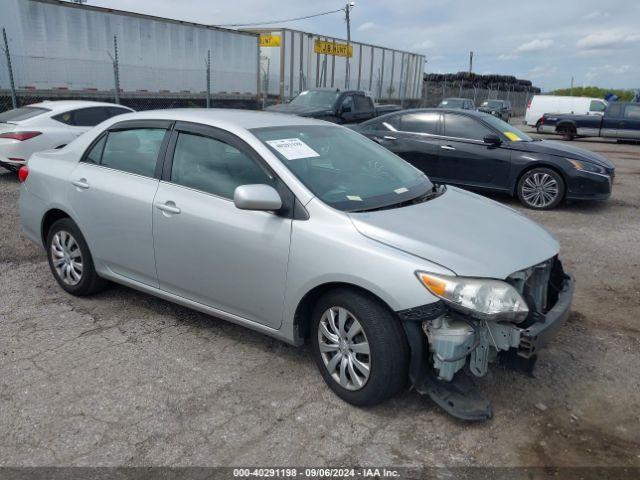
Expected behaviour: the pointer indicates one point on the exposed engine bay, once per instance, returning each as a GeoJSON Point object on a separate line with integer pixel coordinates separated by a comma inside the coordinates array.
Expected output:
{"type": "Point", "coordinates": [457, 347]}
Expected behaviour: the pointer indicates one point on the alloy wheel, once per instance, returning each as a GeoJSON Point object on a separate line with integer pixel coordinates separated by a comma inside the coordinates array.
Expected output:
{"type": "Point", "coordinates": [66, 258]}
{"type": "Point", "coordinates": [344, 348]}
{"type": "Point", "coordinates": [540, 190]}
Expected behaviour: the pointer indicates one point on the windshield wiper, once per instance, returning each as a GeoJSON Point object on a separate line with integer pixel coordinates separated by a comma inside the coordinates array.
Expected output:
{"type": "Point", "coordinates": [436, 191]}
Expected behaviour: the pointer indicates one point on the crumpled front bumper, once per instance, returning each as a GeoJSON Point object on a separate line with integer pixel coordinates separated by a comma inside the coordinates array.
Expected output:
{"type": "Point", "coordinates": [457, 394]}
{"type": "Point", "coordinates": [540, 333]}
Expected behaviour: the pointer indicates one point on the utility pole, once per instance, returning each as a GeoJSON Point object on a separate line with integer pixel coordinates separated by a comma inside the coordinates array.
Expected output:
{"type": "Point", "coordinates": [265, 82]}
{"type": "Point", "coordinates": [116, 69]}
{"type": "Point", "coordinates": [347, 15]}
{"type": "Point", "coordinates": [470, 61]}
{"type": "Point", "coordinates": [207, 62]}
{"type": "Point", "coordinates": [571, 89]}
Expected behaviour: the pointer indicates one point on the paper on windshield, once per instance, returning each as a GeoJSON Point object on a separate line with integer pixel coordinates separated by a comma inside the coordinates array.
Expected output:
{"type": "Point", "coordinates": [293, 148]}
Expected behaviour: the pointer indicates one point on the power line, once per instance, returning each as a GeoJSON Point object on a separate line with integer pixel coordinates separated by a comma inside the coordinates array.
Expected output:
{"type": "Point", "coordinates": [280, 21]}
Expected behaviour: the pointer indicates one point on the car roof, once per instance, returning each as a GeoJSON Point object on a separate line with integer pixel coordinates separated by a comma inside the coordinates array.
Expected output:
{"type": "Point", "coordinates": [57, 105]}
{"type": "Point", "coordinates": [223, 117]}
{"type": "Point", "coordinates": [469, 113]}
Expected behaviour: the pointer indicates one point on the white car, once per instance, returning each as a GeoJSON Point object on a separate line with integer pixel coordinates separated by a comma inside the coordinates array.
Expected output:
{"type": "Point", "coordinates": [541, 104]}
{"type": "Point", "coordinates": [47, 125]}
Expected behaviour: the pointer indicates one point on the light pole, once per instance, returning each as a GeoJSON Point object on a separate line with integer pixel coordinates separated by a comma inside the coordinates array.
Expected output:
{"type": "Point", "coordinates": [265, 84]}
{"type": "Point", "coordinates": [347, 14]}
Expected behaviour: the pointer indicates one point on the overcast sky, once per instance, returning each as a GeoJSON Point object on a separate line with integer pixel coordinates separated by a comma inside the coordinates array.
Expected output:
{"type": "Point", "coordinates": [547, 41]}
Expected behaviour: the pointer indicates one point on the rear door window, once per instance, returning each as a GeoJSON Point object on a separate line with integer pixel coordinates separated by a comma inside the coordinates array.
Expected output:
{"type": "Point", "coordinates": [88, 117]}
{"type": "Point", "coordinates": [24, 113]}
{"type": "Point", "coordinates": [133, 151]}
{"type": "Point", "coordinates": [420, 122]}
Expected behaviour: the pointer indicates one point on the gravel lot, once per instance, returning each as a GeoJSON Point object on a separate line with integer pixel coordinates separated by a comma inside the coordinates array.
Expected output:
{"type": "Point", "coordinates": [123, 378]}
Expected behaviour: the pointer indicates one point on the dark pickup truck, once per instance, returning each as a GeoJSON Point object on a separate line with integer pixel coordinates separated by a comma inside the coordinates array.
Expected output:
{"type": "Point", "coordinates": [334, 105]}
{"type": "Point", "coordinates": [621, 120]}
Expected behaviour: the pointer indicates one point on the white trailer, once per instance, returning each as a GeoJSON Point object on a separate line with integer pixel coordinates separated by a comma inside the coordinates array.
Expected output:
{"type": "Point", "coordinates": [57, 45]}
{"type": "Point", "coordinates": [293, 61]}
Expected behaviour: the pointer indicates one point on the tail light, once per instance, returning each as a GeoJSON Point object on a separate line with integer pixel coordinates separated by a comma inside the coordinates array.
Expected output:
{"type": "Point", "coordinates": [541, 121]}
{"type": "Point", "coordinates": [20, 135]}
{"type": "Point", "coordinates": [529, 104]}
{"type": "Point", "coordinates": [23, 173]}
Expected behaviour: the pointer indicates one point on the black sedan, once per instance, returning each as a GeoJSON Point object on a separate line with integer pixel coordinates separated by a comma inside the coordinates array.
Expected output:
{"type": "Point", "coordinates": [479, 151]}
{"type": "Point", "coordinates": [497, 108]}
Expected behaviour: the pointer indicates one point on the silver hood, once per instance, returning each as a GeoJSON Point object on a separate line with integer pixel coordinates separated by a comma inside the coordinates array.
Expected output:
{"type": "Point", "coordinates": [464, 232]}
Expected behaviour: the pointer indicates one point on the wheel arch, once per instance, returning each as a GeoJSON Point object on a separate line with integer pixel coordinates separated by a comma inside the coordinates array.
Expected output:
{"type": "Point", "coordinates": [566, 123]}
{"type": "Point", "coordinates": [49, 218]}
{"type": "Point", "coordinates": [302, 315]}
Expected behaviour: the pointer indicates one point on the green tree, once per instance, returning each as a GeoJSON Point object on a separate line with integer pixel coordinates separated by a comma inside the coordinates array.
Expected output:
{"type": "Point", "coordinates": [594, 92]}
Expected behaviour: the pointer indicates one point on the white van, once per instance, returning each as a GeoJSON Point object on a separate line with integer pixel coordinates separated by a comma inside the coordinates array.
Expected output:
{"type": "Point", "coordinates": [541, 104]}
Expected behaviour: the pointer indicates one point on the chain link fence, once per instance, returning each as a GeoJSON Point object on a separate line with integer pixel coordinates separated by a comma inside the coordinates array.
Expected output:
{"type": "Point", "coordinates": [137, 101]}
{"type": "Point", "coordinates": [434, 92]}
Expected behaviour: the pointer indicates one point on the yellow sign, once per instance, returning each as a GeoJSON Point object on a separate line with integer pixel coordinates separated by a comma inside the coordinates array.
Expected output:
{"type": "Point", "coordinates": [512, 136]}
{"type": "Point", "coordinates": [332, 48]}
{"type": "Point", "coordinates": [269, 40]}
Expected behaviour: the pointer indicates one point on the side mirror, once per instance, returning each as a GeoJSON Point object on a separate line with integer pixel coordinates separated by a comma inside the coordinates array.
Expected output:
{"type": "Point", "coordinates": [492, 139]}
{"type": "Point", "coordinates": [257, 197]}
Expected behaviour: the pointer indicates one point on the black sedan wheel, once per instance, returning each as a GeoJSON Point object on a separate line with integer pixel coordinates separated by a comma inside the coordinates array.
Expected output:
{"type": "Point", "coordinates": [541, 189]}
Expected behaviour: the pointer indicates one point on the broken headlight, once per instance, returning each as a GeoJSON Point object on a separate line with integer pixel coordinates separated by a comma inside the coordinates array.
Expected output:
{"type": "Point", "coordinates": [482, 298]}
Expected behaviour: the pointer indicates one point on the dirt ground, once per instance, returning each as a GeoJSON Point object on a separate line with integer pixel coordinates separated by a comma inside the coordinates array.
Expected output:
{"type": "Point", "coordinates": [123, 378]}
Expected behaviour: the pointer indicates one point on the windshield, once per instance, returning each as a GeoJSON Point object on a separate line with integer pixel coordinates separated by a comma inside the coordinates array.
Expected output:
{"type": "Point", "coordinates": [343, 168]}
{"type": "Point", "coordinates": [509, 131]}
{"type": "Point", "coordinates": [452, 103]}
{"type": "Point", "coordinates": [23, 113]}
{"type": "Point", "coordinates": [492, 103]}
{"type": "Point", "coordinates": [315, 98]}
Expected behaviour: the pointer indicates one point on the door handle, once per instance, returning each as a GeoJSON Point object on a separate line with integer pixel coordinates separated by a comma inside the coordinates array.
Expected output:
{"type": "Point", "coordinates": [168, 207]}
{"type": "Point", "coordinates": [82, 183]}
{"type": "Point", "coordinates": [447, 147]}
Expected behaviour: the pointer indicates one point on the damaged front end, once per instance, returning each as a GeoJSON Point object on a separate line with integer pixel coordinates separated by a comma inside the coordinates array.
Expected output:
{"type": "Point", "coordinates": [476, 322]}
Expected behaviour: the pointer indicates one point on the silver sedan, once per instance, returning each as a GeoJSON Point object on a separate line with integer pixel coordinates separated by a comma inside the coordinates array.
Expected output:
{"type": "Point", "coordinates": [306, 231]}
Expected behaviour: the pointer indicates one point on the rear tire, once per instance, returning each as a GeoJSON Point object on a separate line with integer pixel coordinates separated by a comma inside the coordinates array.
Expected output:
{"type": "Point", "coordinates": [541, 189]}
{"type": "Point", "coordinates": [70, 259]}
{"type": "Point", "coordinates": [342, 359]}
{"type": "Point", "coordinates": [568, 133]}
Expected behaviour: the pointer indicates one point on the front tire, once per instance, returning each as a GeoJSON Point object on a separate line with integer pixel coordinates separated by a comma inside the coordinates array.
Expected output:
{"type": "Point", "coordinates": [70, 259]}
{"type": "Point", "coordinates": [359, 347]}
{"type": "Point", "coordinates": [541, 189]}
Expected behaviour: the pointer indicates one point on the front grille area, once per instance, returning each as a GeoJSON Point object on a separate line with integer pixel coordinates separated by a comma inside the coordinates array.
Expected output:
{"type": "Point", "coordinates": [539, 285]}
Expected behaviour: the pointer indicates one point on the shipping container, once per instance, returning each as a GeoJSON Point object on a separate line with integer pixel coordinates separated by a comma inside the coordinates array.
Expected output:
{"type": "Point", "coordinates": [292, 61]}
{"type": "Point", "coordinates": [58, 45]}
